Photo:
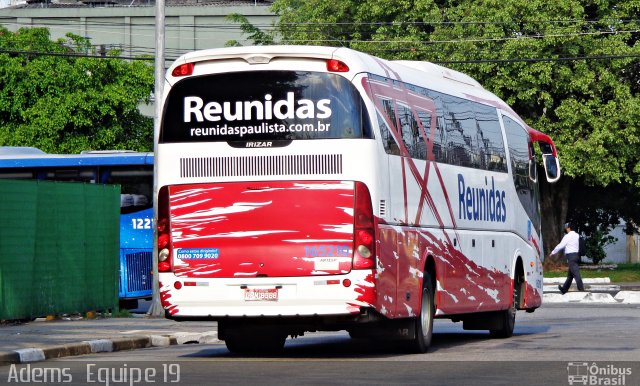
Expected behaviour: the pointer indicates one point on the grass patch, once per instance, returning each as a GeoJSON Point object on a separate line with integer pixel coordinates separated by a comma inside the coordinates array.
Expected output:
{"type": "Point", "coordinates": [623, 273]}
{"type": "Point", "coordinates": [123, 313]}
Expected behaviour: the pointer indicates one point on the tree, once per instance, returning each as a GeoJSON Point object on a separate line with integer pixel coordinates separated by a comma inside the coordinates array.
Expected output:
{"type": "Point", "coordinates": [569, 68]}
{"type": "Point", "coordinates": [255, 34]}
{"type": "Point", "coordinates": [589, 106]}
{"type": "Point", "coordinates": [595, 213]}
{"type": "Point", "coordinates": [55, 97]}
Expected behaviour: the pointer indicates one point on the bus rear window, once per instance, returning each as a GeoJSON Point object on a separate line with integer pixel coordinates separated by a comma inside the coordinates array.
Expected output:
{"type": "Point", "coordinates": [259, 105]}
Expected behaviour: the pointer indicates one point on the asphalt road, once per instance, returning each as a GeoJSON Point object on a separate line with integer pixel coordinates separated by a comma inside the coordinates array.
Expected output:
{"type": "Point", "coordinates": [549, 346]}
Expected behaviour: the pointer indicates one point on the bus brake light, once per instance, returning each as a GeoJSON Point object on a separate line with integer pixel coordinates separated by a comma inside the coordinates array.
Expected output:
{"type": "Point", "coordinates": [164, 266]}
{"type": "Point", "coordinates": [183, 70]}
{"type": "Point", "coordinates": [163, 240]}
{"type": "Point", "coordinates": [335, 65]}
{"type": "Point", "coordinates": [163, 225]}
{"type": "Point", "coordinates": [164, 231]}
{"type": "Point", "coordinates": [364, 232]}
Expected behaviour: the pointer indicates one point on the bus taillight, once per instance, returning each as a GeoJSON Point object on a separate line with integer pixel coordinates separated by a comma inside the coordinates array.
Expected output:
{"type": "Point", "coordinates": [335, 65]}
{"type": "Point", "coordinates": [364, 230]}
{"type": "Point", "coordinates": [183, 70]}
{"type": "Point", "coordinates": [164, 231]}
{"type": "Point", "coordinates": [163, 241]}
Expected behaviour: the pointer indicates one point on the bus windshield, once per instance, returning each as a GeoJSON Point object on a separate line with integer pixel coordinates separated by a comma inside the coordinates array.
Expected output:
{"type": "Point", "coordinates": [264, 106]}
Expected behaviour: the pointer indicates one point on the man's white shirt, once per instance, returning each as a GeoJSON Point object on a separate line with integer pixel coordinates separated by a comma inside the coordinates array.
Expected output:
{"type": "Point", "coordinates": [570, 243]}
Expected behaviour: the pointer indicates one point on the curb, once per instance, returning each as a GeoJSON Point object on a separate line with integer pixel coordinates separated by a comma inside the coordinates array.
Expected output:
{"type": "Point", "coordinates": [28, 355]}
{"type": "Point", "coordinates": [598, 290]}
{"type": "Point", "coordinates": [622, 297]}
{"type": "Point", "coordinates": [628, 297]}
{"type": "Point", "coordinates": [560, 280]}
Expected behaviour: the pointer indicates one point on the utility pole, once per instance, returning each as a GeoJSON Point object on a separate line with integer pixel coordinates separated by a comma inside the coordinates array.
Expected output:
{"type": "Point", "coordinates": [156, 308]}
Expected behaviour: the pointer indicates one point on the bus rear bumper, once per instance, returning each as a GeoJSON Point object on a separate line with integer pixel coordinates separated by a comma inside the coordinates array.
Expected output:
{"type": "Point", "coordinates": [215, 299]}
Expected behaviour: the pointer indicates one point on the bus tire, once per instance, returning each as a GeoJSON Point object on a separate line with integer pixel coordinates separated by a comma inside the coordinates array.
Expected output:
{"type": "Point", "coordinates": [424, 322]}
{"type": "Point", "coordinates": [508, 317]}
{"type": "Point", "coordinates": [508, 321]}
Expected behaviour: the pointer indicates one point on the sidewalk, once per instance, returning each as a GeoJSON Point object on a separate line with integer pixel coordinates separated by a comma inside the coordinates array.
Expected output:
{"type": "Point", "coordinates": [42, 339]}
{"type": "Point", "coordinates": [598, 290]}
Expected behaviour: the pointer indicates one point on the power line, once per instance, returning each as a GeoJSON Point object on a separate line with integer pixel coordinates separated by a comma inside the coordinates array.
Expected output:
{"type": "Point", "coordinates": [470, 61]}
{"type": "Point", "coordinates": [71, 55]}
{"type": "Point", "coordinates": [477, 22]}
{"type": "Point", "coordinates": [412, 42]}
{"type": "Point", "coordinates": [55, 22]}
{"type": "Point", "coordinates": [608, 22]}
{"type": "Point", "coordinates": [564, 59]}
{"type": "Point", "coordinates": [470, 40]}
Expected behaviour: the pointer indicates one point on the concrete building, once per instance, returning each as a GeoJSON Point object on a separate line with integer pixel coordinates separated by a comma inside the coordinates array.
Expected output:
{"type": "Point", "coordinates": [129, 25]}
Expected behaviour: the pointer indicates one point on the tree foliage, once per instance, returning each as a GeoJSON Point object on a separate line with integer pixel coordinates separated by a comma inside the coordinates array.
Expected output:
{"type": "Point", "coordinates": [255, 34]}
{"type": "Point", "coordinates": [56, 100]}
{"type": "Point", "coordinates": [590, 106]}
{"type": "Point", "coordinates": [570, 68]}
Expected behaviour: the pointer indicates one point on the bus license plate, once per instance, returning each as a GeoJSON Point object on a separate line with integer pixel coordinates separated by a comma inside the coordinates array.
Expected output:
{"type": "Point", "coordinates": [261, 294]}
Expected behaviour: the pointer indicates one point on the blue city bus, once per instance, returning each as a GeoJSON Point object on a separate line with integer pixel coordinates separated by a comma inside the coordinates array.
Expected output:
{"type": "Point", "coordinates": [133, 171]}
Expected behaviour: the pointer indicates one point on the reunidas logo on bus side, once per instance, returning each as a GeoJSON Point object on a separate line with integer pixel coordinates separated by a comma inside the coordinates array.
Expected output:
{"type": "Point", "coordinates": [198, 110]}
{"type": "Point", "coordinates": [485, 203]}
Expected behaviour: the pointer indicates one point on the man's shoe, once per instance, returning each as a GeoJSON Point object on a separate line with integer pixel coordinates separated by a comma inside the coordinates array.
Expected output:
{"type": "Point", "coordinates": [562, 291]}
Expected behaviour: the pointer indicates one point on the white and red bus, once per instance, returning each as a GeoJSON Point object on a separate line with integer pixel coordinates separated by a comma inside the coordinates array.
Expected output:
{"type": "Point", "coordinates": [318, 188]}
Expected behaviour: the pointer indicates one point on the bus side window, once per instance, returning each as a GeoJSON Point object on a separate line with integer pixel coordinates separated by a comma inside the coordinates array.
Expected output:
{"type": "Point", "coordinates": [490, 138]}
{"type": "Point", "coordinates": [520, 152]}
{"type": "Point", "coordinates": [463, 128]}
{"type": "Point", "coordinates": [440, 140]}
{"type": "Point", "coordinates": [425, 120]}
{"type": "Point", "coordinates": [410, 133]}
{"type": "Point", "coordinates": [390, 145]}
{"type": "Point", "coordinates": [72, 175]}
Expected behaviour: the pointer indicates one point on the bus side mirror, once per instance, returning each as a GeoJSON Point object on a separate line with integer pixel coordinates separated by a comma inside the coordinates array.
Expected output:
{"type": "Point", "coordinates": [551, 167]}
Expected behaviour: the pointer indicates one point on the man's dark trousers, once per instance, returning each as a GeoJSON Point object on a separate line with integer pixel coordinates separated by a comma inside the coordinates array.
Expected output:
{"type": "Point", "coordinates": [574, 272]}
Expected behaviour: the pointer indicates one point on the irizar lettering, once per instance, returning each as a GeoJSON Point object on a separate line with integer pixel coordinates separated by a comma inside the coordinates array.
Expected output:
{"type": "Point", "coordinates": [289, 108]}
{"type": "Point", "coordinates": [259, 144]}
{"type": "Point", "coordinates": [481, 203]}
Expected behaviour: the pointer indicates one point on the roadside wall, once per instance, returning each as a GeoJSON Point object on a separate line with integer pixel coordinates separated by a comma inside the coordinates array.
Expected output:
{"type": "Point", "coordinates": [617, 251]}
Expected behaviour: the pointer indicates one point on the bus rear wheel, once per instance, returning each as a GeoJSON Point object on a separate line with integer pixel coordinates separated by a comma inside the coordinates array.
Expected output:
{"type": "Point", "coordinates": [507, 317]}
{"type": "Point", "coordinates": [424, 322]}
{"type": "Point", "coordinates": [508, 321]}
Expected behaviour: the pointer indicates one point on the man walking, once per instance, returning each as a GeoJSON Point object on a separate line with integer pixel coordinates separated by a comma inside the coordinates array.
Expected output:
{"type": "Point", "coordinates": [571, 245]}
